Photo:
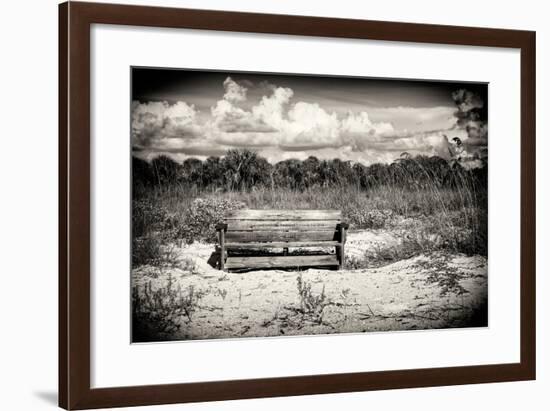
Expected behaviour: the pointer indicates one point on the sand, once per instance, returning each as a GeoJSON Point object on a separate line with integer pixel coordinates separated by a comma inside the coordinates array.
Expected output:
{"type": "Point", "coordinates": [438, 290]}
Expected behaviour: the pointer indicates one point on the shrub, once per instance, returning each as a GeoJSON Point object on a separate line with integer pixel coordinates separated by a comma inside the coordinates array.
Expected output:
{"type": "Point", "coordinates": [380, 256]}
{"type": "Point", "coordinates": [146, 250]}
{"type": "Point", "coordinates": [202, 216]}
{"type": "Point", "coordinates": [448, 278]}
{"type": "Point", "coordinates": [310, 304]}
{"type": "Point", "coordinates": [360, 217]}
{"type": "Point", "coordinates": [153, 249]}
{"type": "Point", "coordinates": [157, 313]}
{"type": "Point", "coordinates": [445, 204]}
{"type": "Point", "coordinates": [147, 217]}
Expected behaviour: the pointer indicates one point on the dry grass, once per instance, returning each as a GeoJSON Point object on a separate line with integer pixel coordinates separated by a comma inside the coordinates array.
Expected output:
{"type": "Point", "coordinates": [159, 312]}
{"type": "Point", "coordinates": [431, 218]}
{"type": "Point", "coordinates": [436, 206]}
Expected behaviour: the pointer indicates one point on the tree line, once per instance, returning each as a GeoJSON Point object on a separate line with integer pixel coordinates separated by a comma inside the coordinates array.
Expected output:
{"type": "Point", "coordinates": [243, 170]}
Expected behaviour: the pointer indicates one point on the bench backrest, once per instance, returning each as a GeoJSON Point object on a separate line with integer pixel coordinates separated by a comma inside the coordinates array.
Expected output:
{"type": "Point", "coordinates": [248, 226]}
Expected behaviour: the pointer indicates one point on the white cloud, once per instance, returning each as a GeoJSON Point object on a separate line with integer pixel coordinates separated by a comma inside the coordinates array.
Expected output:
{"type": "Point", "coordinates": [155, 121]}
{"type": "Point", "coordinates": [234, 92]}
{"type": "Point", "coordinates": [279, 128]}
{"type": "Point", "coordinates": [358, 130]}
{"type": "Point", "coordinates": [271, 108]}
{"type": "Point", "coordinates": [415, 118]}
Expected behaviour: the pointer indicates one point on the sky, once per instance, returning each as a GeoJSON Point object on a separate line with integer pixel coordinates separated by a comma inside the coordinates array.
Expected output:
{"type": "Point", "coordinates": [189, 113]}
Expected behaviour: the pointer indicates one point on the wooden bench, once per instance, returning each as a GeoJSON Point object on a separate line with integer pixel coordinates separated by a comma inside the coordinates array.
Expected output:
{"type": "Point", "coordinates": [248, 230]}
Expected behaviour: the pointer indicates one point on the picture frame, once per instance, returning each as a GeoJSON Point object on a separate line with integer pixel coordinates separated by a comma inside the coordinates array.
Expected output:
{"type": "Point", "coordinates": [75, 195]}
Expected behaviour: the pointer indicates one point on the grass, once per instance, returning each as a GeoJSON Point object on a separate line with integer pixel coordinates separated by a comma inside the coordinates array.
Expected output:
{"type": "Point", "coordinates": [158, 312]}
{"type": "Point", "coordinates": [380, 256]}
{"type": "Point", "coordinates": [430, 218]}
{"type": "Point", "coordinates": [423, 218]}
{"type": "Point", "coordinates": [311, 304]}
{"type": "Point", "coordinates": [154, 250]}
{"type": "Point", "coordinates": [410, 197]}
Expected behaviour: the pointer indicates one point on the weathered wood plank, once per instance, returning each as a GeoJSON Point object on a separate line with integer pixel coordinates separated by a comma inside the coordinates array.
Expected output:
{"type": "Point", "coordinates": [248, 214]}
{"type": "Point", "coordinates": [284, 244]}
{"type": "Point", "coordinates": [283, 225]}
{"type": "Point", "coordinates": [258, 229]}
{"type": "Point", "coordinates": [274, 236]}
{"type": "Point", "coordinates": [281, 261]}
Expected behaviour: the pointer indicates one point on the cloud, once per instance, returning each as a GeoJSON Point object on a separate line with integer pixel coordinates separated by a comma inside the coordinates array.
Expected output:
{"type": "Point", "coordinates": [279, 126]}
{"type": "Point", "coordinates": [234, 92]}
{"type": "Point", "coordinates": [431, 143]}
{"type": "Point", "coordinates": [271, 108]}
{"type": "Point", "coordinates": [471, 113]}
{"type": "Point", "coordinates": [229, 117]}
{"type": "Point", "coordinates": [244, 140]}
{"type": "Point", "coordinates": [358, 131]}
{"type": "Point", "coordinates": [156, 121]}
{"type": "Point", "coordinates": [471, 117]}
{"type": "Point", "coordinates": [467, 101]}
{"type": "Point", "coordinates": [310, 125]}
{"type": "Point", "coordinates": [415, 118]}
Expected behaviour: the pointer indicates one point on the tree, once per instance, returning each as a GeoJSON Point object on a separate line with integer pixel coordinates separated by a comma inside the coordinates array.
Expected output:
{"type": "Point", "coordinates": [244, 169]}
{"type": "Point", "coordinates": [212, 173]}
{"type": "Point", "coordinates": [192, 172]}
{"type": "Point", "coordinates": [290, 174]}
{"type": "Point", "coordinates": [310, 168]}
{"type": "Point", "coordinates": [142, 173]}
{"type": "Point", "coordinates": [165, 170]}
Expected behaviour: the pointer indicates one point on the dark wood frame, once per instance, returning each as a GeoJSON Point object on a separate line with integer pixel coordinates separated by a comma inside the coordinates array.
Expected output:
{"type": "Point", "coordinates": [75, 20]}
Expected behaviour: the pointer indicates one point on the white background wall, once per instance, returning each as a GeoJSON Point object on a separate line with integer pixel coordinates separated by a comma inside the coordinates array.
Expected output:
{"type": "Point", "coordinates": [28, 202]}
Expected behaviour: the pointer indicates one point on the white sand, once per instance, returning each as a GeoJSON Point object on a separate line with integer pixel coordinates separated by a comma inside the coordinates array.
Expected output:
{"type": "Point", "coordinates": [399, 296]}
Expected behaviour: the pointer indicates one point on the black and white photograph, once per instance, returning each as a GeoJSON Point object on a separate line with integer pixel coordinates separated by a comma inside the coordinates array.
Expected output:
{"type": "Point", "coordinates": [278, 204]}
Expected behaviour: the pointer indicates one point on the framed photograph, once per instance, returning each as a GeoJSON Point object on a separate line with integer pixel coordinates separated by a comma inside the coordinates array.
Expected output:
{"type": "Point", "coordinates": [257, 205]}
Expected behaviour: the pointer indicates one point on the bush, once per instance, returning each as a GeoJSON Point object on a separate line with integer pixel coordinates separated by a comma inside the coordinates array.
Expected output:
{"type": "Point", "coordinates": [370, 219]}
{"type": "Point", "coordinates": [147, 217]}
{"type": "Point", "coordinates": [153, 250]}
{"type": "Point", "coordinates": [146, 250]}
{"type": "Point", "coordinates": [311, 305]}
{"type": "Point", "coordinates": [157, 313]}
{"type": "Point", "coordinates": [152, 232]}
{"type": "Point", "coordinates": [444, 204]}
{"type": "Point", "coordinates": [199, 222]}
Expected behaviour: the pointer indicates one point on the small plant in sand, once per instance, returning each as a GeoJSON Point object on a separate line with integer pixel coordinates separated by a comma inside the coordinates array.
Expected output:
{"type": "Point", "coordinates": [189, 265]}
{"type": "Point", "coordinates": [157, 312]}
{"type": "Point", "coordinates": [449, 281]}
{"type": "Point", "coordinates": [344, 294]}
{"type": "Point", "coordinates": [222, 292]}
{"type": "Point", "coordinates": [448, 278]}
{"type": "Point", "coordinates": [311, 305]}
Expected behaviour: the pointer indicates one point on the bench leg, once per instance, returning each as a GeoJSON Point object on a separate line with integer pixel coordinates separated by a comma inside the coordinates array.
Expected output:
{"type": "Point", "coordinates": [342, 246]}
{"type": "Point", "coordinates": [222, 250]}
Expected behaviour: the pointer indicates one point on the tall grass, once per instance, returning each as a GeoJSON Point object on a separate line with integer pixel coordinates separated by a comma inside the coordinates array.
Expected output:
{"type": "Point", "coordinates": [158, 312]}
{"type": "Point", "coordinates": [451, 216]}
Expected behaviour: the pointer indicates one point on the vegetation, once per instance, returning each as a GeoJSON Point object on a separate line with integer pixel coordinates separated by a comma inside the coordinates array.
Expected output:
{"type": "Point", "coordinates": [439, 204]}
{"type": "Point", "coordinates": [424, 204]}
{"type": "Point", "coordinates": [159, 312]}
{"type": "Point", "coordinates": [245, 171]}
{"type": "Point", "coordinates": [311, 305]}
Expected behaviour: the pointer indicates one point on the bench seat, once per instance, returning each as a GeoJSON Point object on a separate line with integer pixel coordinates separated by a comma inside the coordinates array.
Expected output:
{"type": "Point", "coordinates": [289, 261]}
{"type": "Point", "coordinates": [299, 244]}
{"type": "Point", "coordinates": [248, 231]}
